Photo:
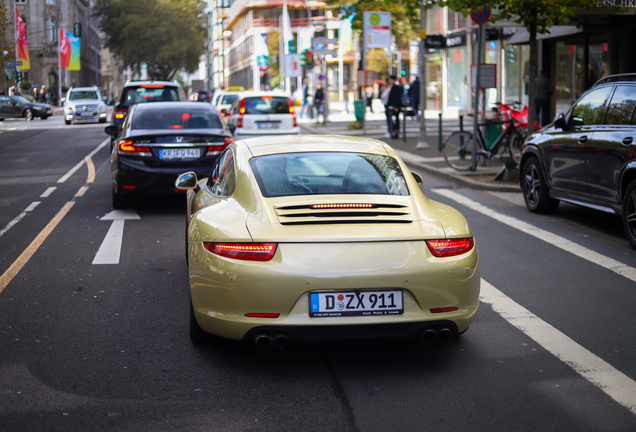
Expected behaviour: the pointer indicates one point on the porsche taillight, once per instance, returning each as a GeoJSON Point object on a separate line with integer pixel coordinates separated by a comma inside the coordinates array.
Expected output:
{"type": "Point", "coordinates": [128, 148]}
{"type": "Point", "coordinates": [243, 251]}
{"type": "Point", "coordinates": [450, 247]}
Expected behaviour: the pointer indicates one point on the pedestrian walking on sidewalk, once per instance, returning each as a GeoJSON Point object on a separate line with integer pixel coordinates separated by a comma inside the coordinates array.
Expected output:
{"type": "Point", "coordinates": [319, 100]}
{"type": "Point", "coordinates": [305, 97]}
{"type": "Point", "coordinates": [543, 92]}
{"type": "Point", "coordinates": [414, 95]}
{"type": "Point", "coordinates": [392, 99]}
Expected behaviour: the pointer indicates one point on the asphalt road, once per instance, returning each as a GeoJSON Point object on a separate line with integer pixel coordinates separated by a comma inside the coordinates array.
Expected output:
{"type": "Point", "coordinates": [105, 347]}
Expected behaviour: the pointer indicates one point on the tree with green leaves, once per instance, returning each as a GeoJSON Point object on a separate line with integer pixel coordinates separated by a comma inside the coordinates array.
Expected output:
{"type": "Point", "coordinates": [537, 16]}
{"type": "Point", "coordinates": [165, 36]}
{"type": "Point", "coordinates": [6, 42]}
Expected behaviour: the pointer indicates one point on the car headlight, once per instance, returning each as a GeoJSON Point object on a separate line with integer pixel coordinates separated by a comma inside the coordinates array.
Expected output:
{"type": "Point", "coordinates": [37, 108]}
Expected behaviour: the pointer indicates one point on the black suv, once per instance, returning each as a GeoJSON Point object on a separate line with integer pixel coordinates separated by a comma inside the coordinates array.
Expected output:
{"type": "Point", "coordinates": [587, 156]}
{"type": "Point", "coordinates": [135, 92]}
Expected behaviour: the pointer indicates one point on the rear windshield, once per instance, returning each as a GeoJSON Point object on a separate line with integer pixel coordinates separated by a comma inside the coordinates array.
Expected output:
{"type": "Point", "coordinates": [176, 119]}
{"type": "Point", "coordinates": [81, 94]}
{"type": "Point", "coordinates": [267, 105]}
{"type": "Point", "coordinates": [150, 93]}
{"type": "Point", "coordinates": [328, 173]}
{"type": "Point", "coordinates": [228, 99]}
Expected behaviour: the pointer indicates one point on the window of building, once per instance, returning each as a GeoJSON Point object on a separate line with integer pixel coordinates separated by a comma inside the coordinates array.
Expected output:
{"type": "Point", "coordinates": [51, 2]}
{"type": "Point", "coordinates": [20, 1]}
{"type": "Point", "coordinates": [51, 29]}
{"type": "Point", "coordinates": [434, 20]}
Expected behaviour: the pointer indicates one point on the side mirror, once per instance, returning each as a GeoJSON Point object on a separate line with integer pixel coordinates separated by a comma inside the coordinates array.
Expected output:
{"type": "Point", "coordinates": [559, 121]}
{"type": "Point", "coordinates": [186, 181]}
{"type": "Point", "coordinates": [418, 178]}
{"type": "Point", "coordinates": [63, 100]}
{"type": "Point", "coordinates": [111, 130]}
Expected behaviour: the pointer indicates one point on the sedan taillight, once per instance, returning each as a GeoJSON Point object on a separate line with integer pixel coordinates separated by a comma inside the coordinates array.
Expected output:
{"type": "Point", "coordinates": [120, 113]}
{"type": "Point", "coordinates": [243, 251]}
{"type": "Point", "coordinates": [128, 148]}
{"type": "Point", "coordinates": [217, 149]}
{"type": "Point", "coordinates": [450, 247]}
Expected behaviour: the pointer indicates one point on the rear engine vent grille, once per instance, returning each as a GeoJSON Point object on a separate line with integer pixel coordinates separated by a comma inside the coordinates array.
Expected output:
{"type": "Point", "coordinates": [343, 213]}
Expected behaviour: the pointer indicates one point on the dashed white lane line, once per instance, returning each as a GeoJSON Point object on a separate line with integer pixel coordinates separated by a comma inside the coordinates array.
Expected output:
{"type": "Point", "coordinates": [48, 192]}
{"type": "Point", "coordinates": [614, 383]}
{"type": "Point", "coordinates": [19, 217]}
{"type": "Point", "coordinates": [553, 239]}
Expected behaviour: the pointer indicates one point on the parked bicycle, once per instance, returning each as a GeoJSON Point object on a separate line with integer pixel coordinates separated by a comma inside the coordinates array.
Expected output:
{"type": "Point", "coordinates": [458, 146]}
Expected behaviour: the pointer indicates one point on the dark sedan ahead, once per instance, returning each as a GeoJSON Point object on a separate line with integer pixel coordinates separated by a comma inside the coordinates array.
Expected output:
{"type": "Point", "coordinates": [19, 107]}
{"type": "Point", "coordinates": [159, 141]}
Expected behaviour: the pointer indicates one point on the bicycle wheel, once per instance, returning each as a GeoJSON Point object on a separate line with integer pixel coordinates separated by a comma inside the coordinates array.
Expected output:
{"type": "Point", "coordinates": [457, 149]}
{"type": "Point", "coordinates": [516, 143]}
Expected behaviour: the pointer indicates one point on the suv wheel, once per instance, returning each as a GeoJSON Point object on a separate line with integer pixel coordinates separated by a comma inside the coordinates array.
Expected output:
{"type": "Point", "coordinates": [535, 189]}
{"type": "Point", "coordinates": [629, 213]}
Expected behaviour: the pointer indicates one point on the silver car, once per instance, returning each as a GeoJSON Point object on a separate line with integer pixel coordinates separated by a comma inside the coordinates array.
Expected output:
{"type": "Point", "coordinates": [84, 104]}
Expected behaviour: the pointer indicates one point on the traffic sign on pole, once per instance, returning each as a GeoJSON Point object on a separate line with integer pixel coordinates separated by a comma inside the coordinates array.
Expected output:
{"type": "Point", "coordinates": [480, 15]}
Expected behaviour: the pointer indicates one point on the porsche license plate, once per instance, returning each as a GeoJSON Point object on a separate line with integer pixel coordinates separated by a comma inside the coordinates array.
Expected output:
{"type": "Point", "coordinates": [355, 303]}
{"type": "Point", "coordinates": [179, 153]}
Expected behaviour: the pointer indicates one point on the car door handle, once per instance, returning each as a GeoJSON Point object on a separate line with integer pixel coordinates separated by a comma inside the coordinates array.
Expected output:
{"type": "Point", "coordinates": [628, 140]}
{"type": "Point", "coordinates": [583, 139]}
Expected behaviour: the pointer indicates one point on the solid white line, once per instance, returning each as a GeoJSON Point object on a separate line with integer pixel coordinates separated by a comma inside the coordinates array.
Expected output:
{"type": "Point", "coordinates": [110, 249]}
{"type": "Point", "coordinates": [614, 383]}
{"type": "Point", "coordinates": [79, 165]}
{"type": "Point", "coordinates": [48, 192]}
{"type": "Point", "coordinates": [19, 217]}
{"type": "Point", "coordinates": [553, 239]}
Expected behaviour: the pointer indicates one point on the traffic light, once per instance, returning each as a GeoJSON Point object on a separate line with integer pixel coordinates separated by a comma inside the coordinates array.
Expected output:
{"type": "Point", "coordinates": [77, 29]}
{"type": "Point", "coordinates": [309, 58]}
{"type": "Point", "coordinates": [18, 77]}
{"type": "Point", "coordinates": [303, 58]}
{"type": "Point", "coordinates": [215, 51]}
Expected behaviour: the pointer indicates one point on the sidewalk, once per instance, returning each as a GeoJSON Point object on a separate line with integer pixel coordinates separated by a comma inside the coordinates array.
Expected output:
{"type": "Point", "coordinates": [429, 159]}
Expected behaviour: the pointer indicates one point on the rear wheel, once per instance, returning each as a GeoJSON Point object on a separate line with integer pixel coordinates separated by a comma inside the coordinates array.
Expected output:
{"type": "Point", "coordinates": [68, 122]}
{"type": "Point", "coordinates": [516, 143]}
{"type": "Point", "coordinates": [535, 189]}
{"type": "Point", "coordinates": [629, 213]}
{"type": "Point", "coordinates": [458, 150]}
{"type": "Point", "coordinates": [44, 117]}
{"type": "Point", "coordinates": [28, 114]}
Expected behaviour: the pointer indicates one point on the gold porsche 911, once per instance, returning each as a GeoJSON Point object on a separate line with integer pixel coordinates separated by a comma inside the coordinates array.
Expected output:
{"type": "Point", "coordinates": [307, 238]}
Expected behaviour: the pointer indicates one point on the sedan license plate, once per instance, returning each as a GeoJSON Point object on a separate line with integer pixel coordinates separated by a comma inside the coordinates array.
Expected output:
{"type": "Point", "coordinates": [268, 125]}
{"type": "Point", "coordinates": [355, 303]}
{"type": "Point", "coordinates": [179, 153]}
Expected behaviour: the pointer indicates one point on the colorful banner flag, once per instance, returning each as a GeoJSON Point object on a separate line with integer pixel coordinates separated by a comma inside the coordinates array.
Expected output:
{"type": "Point", "coordinates": [261, 51]}
{"type": "Point", "coordinates": [288, 36]}
{"type": "Point", "coordinates": [65, 50]}
{"type": "Point", "coordinates": [74, 64]}
{"type": "Point", "coordinates": [20, 36]}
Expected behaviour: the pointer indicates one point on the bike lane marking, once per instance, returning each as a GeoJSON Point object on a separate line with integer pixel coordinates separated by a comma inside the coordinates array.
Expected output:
{"type": "Point", "coordinates": [551, 238]}
{"type": "Point", "coordinates": [79, 165]}
{"type": "Point", "coordinates": [614, 383]}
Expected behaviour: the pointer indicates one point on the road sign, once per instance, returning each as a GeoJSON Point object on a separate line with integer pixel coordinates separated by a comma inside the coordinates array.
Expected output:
{"type": "Point", "coordinates": [14, 63]}
{"type": "Point", "coordinates": [323, 53]}
{"type": "Point", "coordinates": [487, 75]}
{"type": "Point", "coordinates": [322, 77]}
{"type": "Point", "coordinates": [479, 15]}
{"type": "Point", "coordinates": [292, 65]}
{"type": "Point", "coordinates": [324, 41]}
{"type": "Point", "coordinates": [377, 29]}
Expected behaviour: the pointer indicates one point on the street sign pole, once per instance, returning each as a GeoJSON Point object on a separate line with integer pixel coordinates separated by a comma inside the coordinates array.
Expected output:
{"type": "Point", "coordinates": [422, 144]}
{"type": "Point", "coordinates": [480, 43]}
{"type": "Point", "coordinates": [364, 68]}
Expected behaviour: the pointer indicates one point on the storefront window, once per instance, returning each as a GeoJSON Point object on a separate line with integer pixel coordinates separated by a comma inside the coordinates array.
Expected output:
{"type": "Point", "coordinates": [434, 81]}
{"type": "Point", "coordinates": [434, 20]}
{"type": "Point", "coordinates": [514, 70]}
{"type": "Point", "coordinates": [457, 78]}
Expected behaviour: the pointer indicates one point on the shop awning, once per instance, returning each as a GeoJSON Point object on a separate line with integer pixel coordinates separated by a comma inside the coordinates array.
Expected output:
{"type": "Point", "coordinates": [522, 36]}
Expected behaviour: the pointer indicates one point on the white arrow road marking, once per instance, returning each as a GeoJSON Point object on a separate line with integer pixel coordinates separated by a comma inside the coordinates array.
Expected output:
{"type": "Point", "coordinates": [110, 250]}
{"type": "Point", "coordinates": [614, 383]}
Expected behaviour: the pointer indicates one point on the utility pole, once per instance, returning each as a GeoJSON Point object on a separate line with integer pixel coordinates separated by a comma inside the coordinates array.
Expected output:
{"type": "Point", "coordinates": [422, 144]}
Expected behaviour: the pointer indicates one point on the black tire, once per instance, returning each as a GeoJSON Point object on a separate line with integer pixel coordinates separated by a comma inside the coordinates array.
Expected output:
{"type": "Point", "coordinates": [119, 201]}
{"type": "Point", "coordinates": [44, 117]}
{"type": "Point", "coordinates": [457, 149]}
{"type": "Point", "coordinates": [629, 213]}
{"type": "Point", "coordinates": [1, 119]}
{"type": "Point", "coordinates": [28, 114]}
{"type": "Point", "coordinates": [197, 335]}
{"type": "Point", "coordinates": [535, 189]}
{"type": "Point", "coordinates": [102, 120]}
{"type": "Point", "coordinates": [68, 122]}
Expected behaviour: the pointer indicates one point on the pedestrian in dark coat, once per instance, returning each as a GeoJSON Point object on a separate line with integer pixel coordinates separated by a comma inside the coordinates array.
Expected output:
{"type": "Point", "coordinates": [319, 99]}
{"type": "Point", "coordinates": [414, 95]}
{"type": "Point", "coordinates": [393, 106]}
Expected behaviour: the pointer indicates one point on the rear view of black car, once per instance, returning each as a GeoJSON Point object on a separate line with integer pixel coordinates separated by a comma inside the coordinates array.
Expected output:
{"type": "Point", "coordinates": [587, 156]}
{"type": "Point", "coordinates": [159, 141]}
{"type": "Point", "coordinates": [136, 92]}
